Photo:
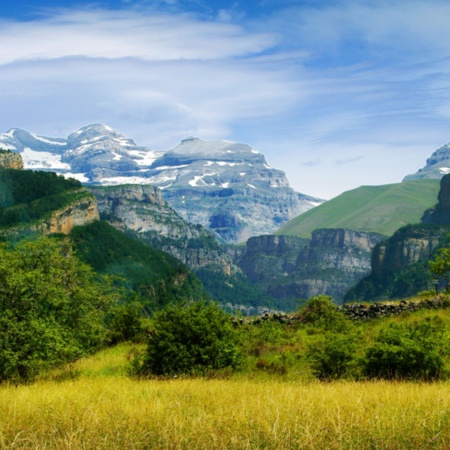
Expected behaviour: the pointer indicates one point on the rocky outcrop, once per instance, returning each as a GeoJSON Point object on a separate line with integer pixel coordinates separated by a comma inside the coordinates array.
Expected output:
{"type": "Point", "coordinates": [437, 165]}
{"type": "Point", "coordinates": [140, 210]}
{"type": "Point", "coordinates": [10, 160]}
{"type": "Point", "coordinates": [440, 213]}
{"type": "Point", "coordinates": [408, 246]}
{"type": "Point", "coordinates": [399, 265]}
{"type": "Point", "coordinates": [80, 212]}
{"type": "Point", "coordinates": [293, 268]}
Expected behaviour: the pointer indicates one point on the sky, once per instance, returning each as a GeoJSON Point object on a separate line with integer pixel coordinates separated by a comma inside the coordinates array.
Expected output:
{"type": "Point", "coordinates": [336, 93]}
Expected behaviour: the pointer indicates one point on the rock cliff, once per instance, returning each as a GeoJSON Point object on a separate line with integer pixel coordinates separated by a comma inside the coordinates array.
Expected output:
{"type": "Point", "coordinates": [81, 212]}
{"type": "Point", "coordinates": [293, 268]}
{"type": "Point", "coordinates": [10, 160]}
{"type": "Point", "coordinates": [141, 211]}
{"type": "Point", "coordinates": [399, 265]}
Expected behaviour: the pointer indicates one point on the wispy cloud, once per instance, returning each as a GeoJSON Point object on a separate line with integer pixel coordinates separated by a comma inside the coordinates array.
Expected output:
{"type": "Point", "coordinates": [97, 33]}
{"type": "Point", "coordinates": [327, 81]}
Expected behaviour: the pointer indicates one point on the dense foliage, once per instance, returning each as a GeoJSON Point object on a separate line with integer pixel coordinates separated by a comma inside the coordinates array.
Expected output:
{"type": "Point", "coordinates": [190, 339]}
{"type": "Point", "coordinates": [407, 351]}
{"type": "Point", "coordinates": [26, 195]}
{"type": "Point", "coordinates": [156, 277]}
{"type": "Point", "coordinates": [52, 308]}
{"type": "Point", "coordinates": [228, 288]}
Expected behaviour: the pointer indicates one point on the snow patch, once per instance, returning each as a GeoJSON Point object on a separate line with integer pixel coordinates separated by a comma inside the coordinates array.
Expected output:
{"type": "Point", "coordinates": [223, 163]}
{"type": "Point", "coordinates": [444, 169]}
{"type": "Point", "coordinates": [10, 133]}
{"type": "Point", "coordinates": [117, 157]}
{"type": "Point", "coordinates": [47, 141]}
{"type": "Point", "coordinates": [42, 160]}
{"type": "Point", "coordinates": [144, 158]}
{"type": "Point", "coordinates": [225, 185]}
{"type": "Point", "coordinates": [242, 174]}
{"type": "Point", "coordinates": [251, 185]}
{"type": "Point", "coordinates": [114, 181]}
{"type": "Point", "coordinates": [194, 182]}
{"type": "Point", "coordinates": [255, 151]}
{"type": "Point", "coordinates": [170, 167]}
{"type": "Point", "coordinates": [78, 176]}
{"type": "Point", "coordinates": [7, 146]}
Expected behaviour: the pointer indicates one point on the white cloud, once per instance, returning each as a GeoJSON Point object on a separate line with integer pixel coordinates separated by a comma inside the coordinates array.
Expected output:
{"type": "Point", "coordinates": [119, 34]}
{"type": "Point", "coordinates": [337, 80]}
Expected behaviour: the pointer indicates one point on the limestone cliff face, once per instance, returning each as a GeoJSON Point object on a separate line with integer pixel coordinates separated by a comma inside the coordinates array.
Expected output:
{"type": "Point", "coordinates": [80, 212]}
{"type": "Point", "coordinates": [399, 265]}
{"type": "Point", "coordinates": [141, 208]}
{"type": "Point", "coordinates": [295, 268]}
{"type": "Point", "coordinates": [10, 160]}
{"type": "Point", "coordinates": [405, 248]}
{"type": "Point", "coordinates": [142, 211]}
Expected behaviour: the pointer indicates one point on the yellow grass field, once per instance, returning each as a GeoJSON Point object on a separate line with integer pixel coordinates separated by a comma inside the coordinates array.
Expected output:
{"type": "Point", "coordinates": [101, 408]}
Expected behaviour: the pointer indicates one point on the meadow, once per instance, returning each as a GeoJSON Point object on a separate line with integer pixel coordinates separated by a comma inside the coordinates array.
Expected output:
{"type": "Point", "coordinates": [95, 404]}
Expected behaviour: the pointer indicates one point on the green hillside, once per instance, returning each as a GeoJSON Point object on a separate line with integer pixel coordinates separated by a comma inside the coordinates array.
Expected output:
{"type": "Point", "coordinates": [156, 277]}
{"type": "Point", "coordinates": [27, 196]}
{"type": "Point", "coordinates": [380, 209]}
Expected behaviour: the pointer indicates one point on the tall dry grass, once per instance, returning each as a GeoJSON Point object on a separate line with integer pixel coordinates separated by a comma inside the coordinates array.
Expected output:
{"type": "Point", "coordinates": [120, 413]}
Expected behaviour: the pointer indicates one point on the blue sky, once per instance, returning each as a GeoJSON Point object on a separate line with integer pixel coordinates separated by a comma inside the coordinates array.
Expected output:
{"type": "Point", "coordinates": [337, 93]}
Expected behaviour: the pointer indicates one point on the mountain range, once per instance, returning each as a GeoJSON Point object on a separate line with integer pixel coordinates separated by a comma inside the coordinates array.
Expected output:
{"type": "Point", "coordinates": [303, 259]}
{"type": "Point", "coordinates": [226, 187]}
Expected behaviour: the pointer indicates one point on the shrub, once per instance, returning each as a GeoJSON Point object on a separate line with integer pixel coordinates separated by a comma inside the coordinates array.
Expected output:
{"type": "Point", "coordinates": [126, 323]}
{"type": "Point", "coordinates": [321, 312]}
{"type": "Point", "coordinates": [332, 356]}
{"type": "Point", "coordinates": [406, 351]}
{"type": "Point", "coordinates": [190, 339]}
{"type": "Point", "coordinates": [52, 308]}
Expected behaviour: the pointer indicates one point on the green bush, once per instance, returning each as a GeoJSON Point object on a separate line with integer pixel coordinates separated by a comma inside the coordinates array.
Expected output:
{"type": "Point", "coordinates": [321, 312]}
{"type": "Point", "coordinates": [52, 308]}
{"type": "Point", "coordinates": [407, 351]}
{"type": "Point", "coordinates": [332, 356]}
{"type": "Point", "coordinates": [190, 339]}
{"type": "Point", "coordinates": [126, 323]}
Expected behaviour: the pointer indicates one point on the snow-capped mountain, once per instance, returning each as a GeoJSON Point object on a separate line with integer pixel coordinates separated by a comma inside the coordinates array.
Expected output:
{"type": "Point", "coordinates": [227, 187]}
{"type": "Point", "coordinates": [438, 165]}
{"type": "Point", "coordinates": [90, 154]}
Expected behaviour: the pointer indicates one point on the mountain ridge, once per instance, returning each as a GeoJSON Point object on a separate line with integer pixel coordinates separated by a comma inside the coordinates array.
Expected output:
{"type": "Point", "coordinates": [226, 187]}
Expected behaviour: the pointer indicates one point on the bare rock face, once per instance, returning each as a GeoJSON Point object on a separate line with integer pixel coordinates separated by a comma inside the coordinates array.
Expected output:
{"type": "Point", "coordinates": [10, 160]}
{"type": "Point", "coordinates": [141, 211]}
{"type": "Point", "coordinates": [288, 267]}
{"type": "Point", "coordinates": [80, 212]}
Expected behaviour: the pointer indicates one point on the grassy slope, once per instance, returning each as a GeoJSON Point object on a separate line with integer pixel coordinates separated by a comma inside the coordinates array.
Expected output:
{"type": "Point", "coordinates": [380, 209]}
{"type": "Point", "coordinates": [93, 404]}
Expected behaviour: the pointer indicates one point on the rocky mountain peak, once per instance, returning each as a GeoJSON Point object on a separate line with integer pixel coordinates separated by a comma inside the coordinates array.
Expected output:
{"type": "Point", "coordinates": [225, 186]}
{"type": "Point", "coordinates": [437, 165]}
{"type": "Point", "coordinates": [98, 136]}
